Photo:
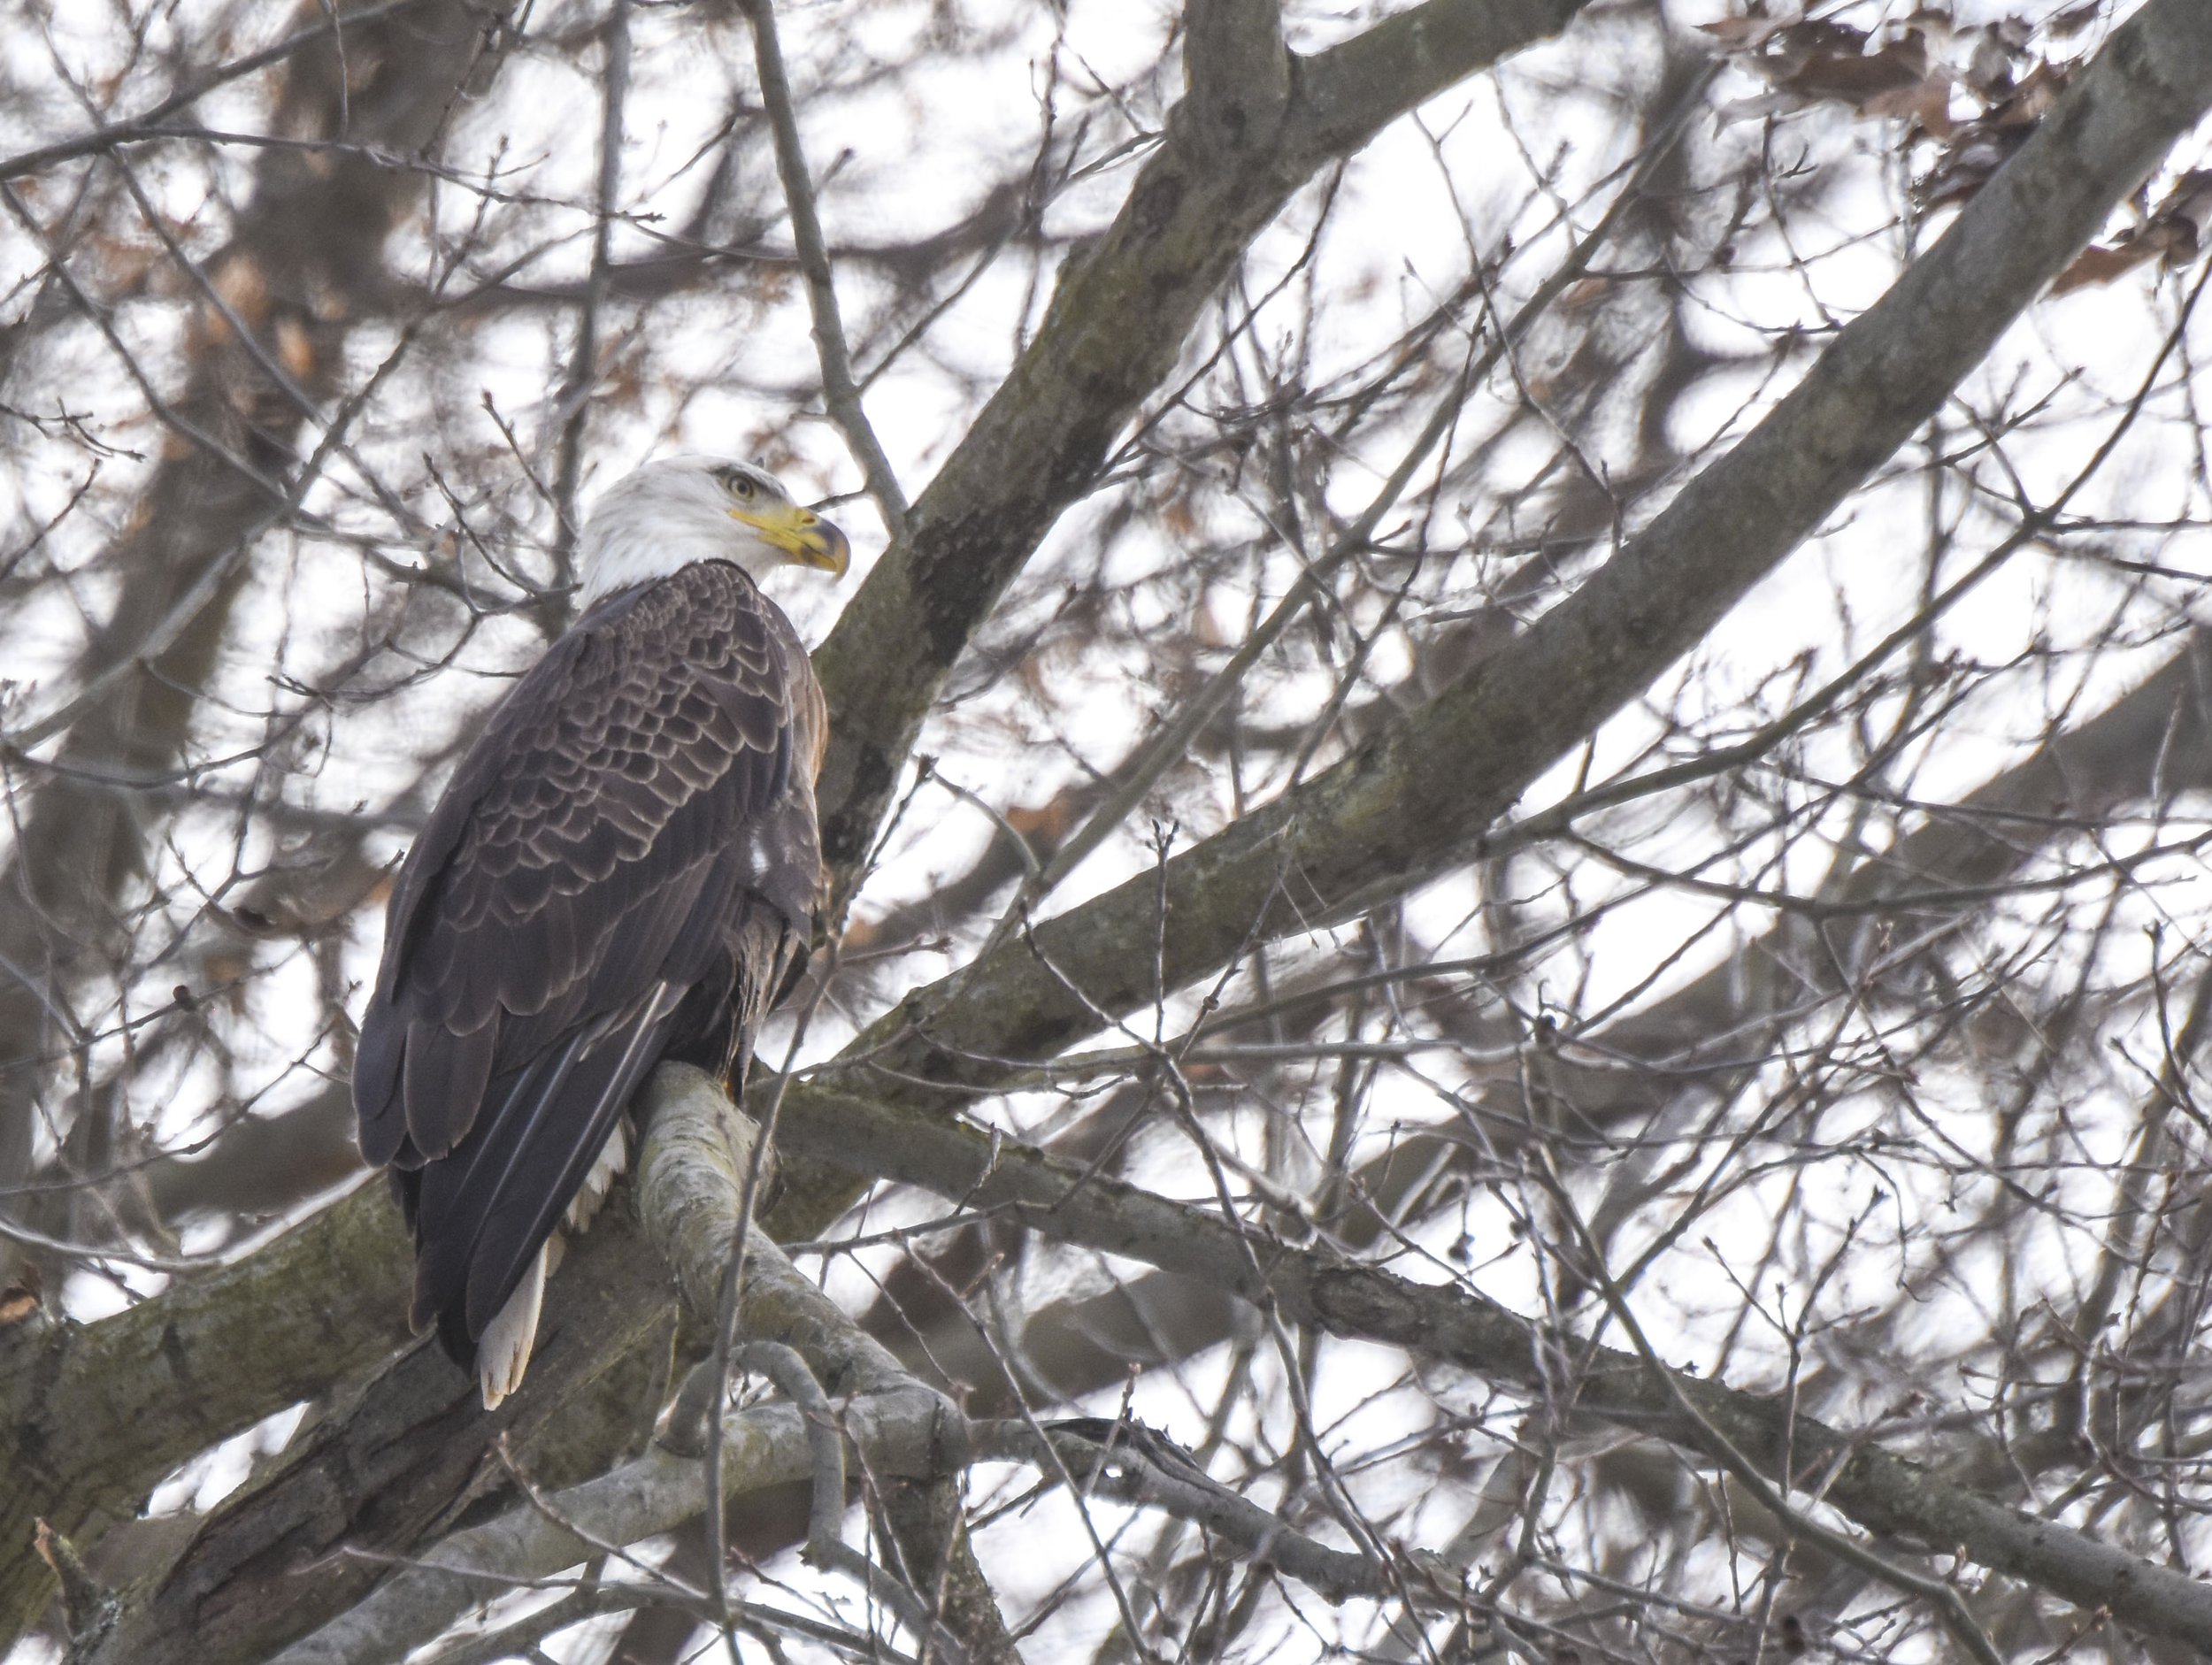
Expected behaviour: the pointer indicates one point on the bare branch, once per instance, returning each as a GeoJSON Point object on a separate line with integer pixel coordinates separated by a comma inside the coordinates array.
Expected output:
{"type": "Point", "coordinates": [1116, 322]}
{"type": "Point", "coordinates": [149, 123]}
{"type": "Point", "coordinates": [1452, 1325]}
{"type": "Point", "coordinates": [1237, 67]}
{"type": "Point", "coordinates": [839, 392]}
{"type": "Point", "coordinates": [763, 1446]}
{"type": "Point", "coordinates": [1419, 798]}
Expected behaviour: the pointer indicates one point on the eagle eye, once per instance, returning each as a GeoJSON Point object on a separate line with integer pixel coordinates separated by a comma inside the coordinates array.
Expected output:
{"type": "Point", "coordinates": [742, 486]}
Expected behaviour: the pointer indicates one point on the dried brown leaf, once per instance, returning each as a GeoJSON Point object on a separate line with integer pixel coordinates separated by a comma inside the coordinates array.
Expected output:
{"type": "Point", "coordinates": [1749, 33]}
{"type": "Point", "coordinates": [2073, 20]}
{"type": "Point", "coordinates": [1927, 104]}
{"type": "Point", "coordinates": [2031, 98]}
{"type": "Point", "coordinates": [2100, 265]}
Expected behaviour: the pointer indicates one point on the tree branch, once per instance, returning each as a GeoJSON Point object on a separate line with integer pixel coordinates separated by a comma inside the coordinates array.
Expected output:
{"type": "Point", "coordinates": [1882, 1491]}
{"type": "Point", "coordinates": [1237, 69]}
{"type": "Point", "coordinates": [839, 392]}
{"type": "Point", "coordinates": [308, 244]}
{"type": "Point", "coordinates": [1115, 327]}
{"type": "Point", "coordinates": [1417, 799]}
{"type": "Point", "coordinates": [763, 1445]}
{"type": "Point", "coordinates": [691, 1176]}
{"type": "Point", "coordinates": [1119, 1470]}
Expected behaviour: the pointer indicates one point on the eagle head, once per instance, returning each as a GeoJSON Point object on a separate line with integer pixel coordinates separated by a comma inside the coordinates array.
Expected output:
{"type": "Point", "coordinates": [657, 521]}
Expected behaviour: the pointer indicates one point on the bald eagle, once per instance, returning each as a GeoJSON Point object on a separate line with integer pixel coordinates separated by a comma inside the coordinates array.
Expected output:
{"type": "Point", "coordinates": [621, 870]}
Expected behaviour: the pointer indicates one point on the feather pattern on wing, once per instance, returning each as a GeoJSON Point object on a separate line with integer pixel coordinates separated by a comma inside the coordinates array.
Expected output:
{"type": "Point", "coordinates": [633, 827]}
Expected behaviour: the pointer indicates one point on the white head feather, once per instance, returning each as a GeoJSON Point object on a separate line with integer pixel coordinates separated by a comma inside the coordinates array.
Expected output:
{"type": "Point", "coordinates": [656, 522]}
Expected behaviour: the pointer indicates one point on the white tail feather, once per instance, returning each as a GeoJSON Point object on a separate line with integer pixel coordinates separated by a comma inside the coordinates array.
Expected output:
{"type": "Point", "coordinates": [503, 1353]}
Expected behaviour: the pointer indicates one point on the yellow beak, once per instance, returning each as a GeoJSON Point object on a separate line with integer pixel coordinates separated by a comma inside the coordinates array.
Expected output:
{"type": "Point", "coordinates": [802, 535]}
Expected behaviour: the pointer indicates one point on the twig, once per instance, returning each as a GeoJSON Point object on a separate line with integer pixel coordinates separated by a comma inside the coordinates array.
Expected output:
{"type": "Point", "coordinates": [1127, 1471]}
{"type": "Point", "coordinates": [574, 401]}
{"type": "Point", "coordinates": [839, 394]}
{"type": "Point", "coordinates": [1456, 1325]}
{"type": "Point", "coordinates": [1172, 743]}
{"type": "Point", "coordinates": [145, 124]}
{"type": "Point", "coordinates": [788, 1372]}
{"type": "Point", "coordinates": [1949, 1605]}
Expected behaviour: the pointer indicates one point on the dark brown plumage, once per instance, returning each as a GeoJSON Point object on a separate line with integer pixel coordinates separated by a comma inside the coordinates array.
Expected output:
{"type": "Point", "coordinates": [621, 871]}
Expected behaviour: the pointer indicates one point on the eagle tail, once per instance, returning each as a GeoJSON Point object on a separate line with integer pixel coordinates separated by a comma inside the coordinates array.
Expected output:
{"type": "Point", "coordinates": [502, 1351]}
{"type": "Point", "coordinates": [481, 1224]}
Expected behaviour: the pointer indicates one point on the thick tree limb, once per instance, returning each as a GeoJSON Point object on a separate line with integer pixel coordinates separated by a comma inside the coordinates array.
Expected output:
{"type": "Point", "coordinates": [1237, 68]}
{"type": "Point", "coordinates": [691, 1174]}
{"type": "Point", "coordinates": [96, 1415]}
{"type": "Point", "coordinates": [396, 1455]}
{"type": "Point", "coordinates": [763, 1445]}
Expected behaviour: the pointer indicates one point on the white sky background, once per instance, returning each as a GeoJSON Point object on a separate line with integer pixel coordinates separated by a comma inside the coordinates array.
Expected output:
{"type": "Point", "coordinates": [909, 152]}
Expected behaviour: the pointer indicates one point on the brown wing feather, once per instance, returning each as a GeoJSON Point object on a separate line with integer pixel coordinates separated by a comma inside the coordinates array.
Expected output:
{"type": "Point", "coordinates": [643, 792]}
